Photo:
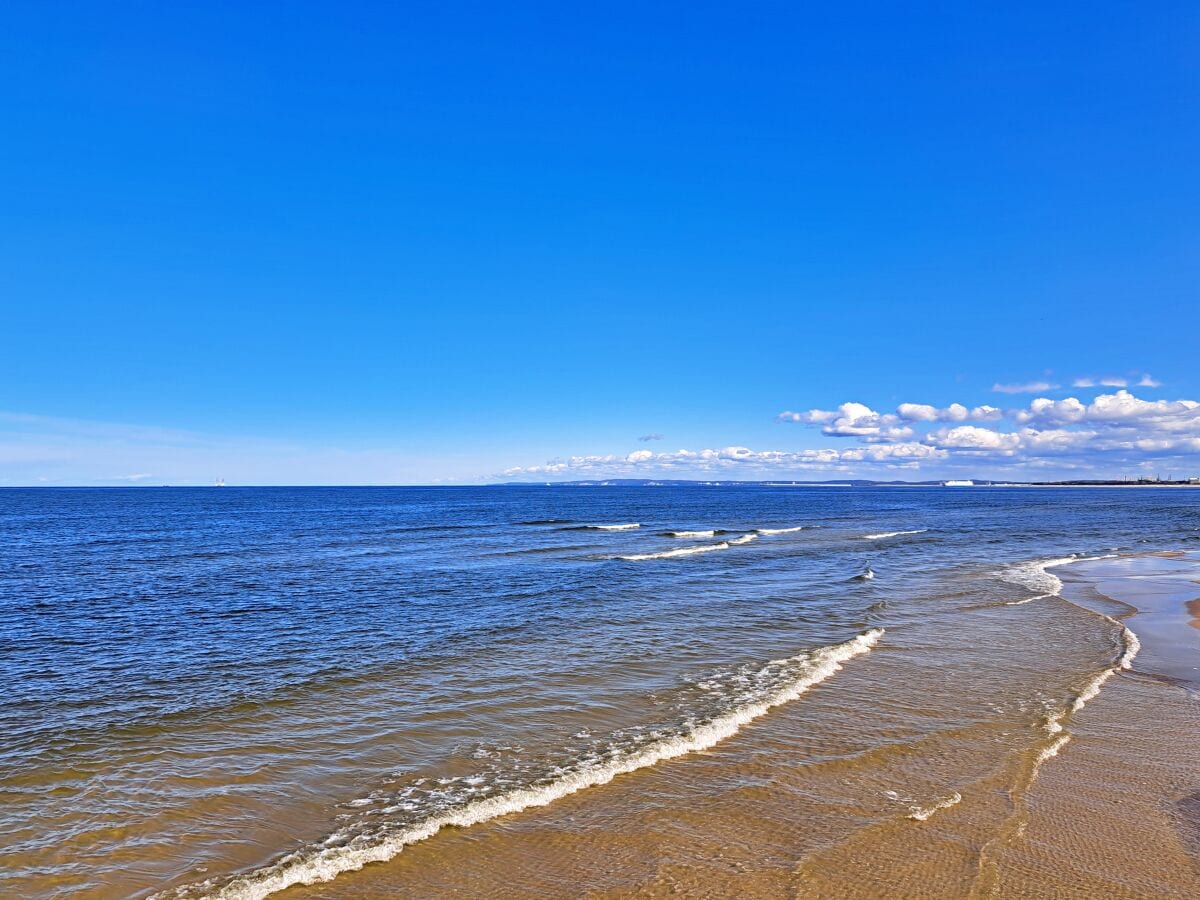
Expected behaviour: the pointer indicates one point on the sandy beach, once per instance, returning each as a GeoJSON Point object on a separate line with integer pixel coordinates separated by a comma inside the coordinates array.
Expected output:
{"type": "Point", "coordinates": [421, 693]}
{"type": "Point", "coordinates": [1100, 798]}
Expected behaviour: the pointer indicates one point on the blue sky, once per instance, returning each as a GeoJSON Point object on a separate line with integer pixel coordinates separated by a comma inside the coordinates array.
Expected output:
{"type": "Point", "coordinates": [371, 243]}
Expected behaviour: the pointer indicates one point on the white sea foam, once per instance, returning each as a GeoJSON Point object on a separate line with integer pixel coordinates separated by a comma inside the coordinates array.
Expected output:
{"type": "Point", "coordinates": [678, 551]}
{"type": "Point", "coordinates": [1034, 575]}
{"type": "Point", "coordinates": [1027, 600]}
{"type": "Point", "coordinates": [744, 539]}
{"type": "Point", "coordinates": [628, 526]}
{"type": "Point", "coordinates": [1132, 646]}
{"type": "Point", "coordinates": [1050, 750]}
{"type": "Point", "coordinates": [691, 534]}
{"type": "Point", "coordinates": [890, 534]}
{"type": "Point", "coordinates": [1053, 724]}
{"type": "Point", "coordinates": [781, 530]}
{"type": "Point", "coordinates": [350, 852]}
{"type": "Point", "coordinates": [1091, 689]}
{"type": "Point", "coordinates": [921, 813]}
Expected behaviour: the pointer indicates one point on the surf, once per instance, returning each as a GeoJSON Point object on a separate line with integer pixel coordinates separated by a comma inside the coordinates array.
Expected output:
{"type": "Point", "coordinates": [348, 852]}
{"type": "Point", "coordinates": [627, 526]}
{"type": "Point", "coordinates": [678, 551]}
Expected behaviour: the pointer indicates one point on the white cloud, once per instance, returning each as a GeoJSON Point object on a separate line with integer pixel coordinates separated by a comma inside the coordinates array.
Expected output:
{"type": "Point", "coordinates": [860, 421]}
{"type": "Point", "coordinates": [733, 461]}
{"type": "Point", "coordinates": [1030, 387]}
{"type": "Point", "coordinates": [972, 437]}
{"type": "Point", "coordinates": [851, 420]}
{"type": "Point", "coordinates": [955, 412]}
{"type": "Point", "coordinates": [1116, 430]}
{"type": "Point", "coordinates": [1106, 381]}
{"type": "Point", "coordinates": [1118, 410]}
{"type": "Point", "coordinates": [1057, 412]}
{"type": "Point", "coordinates": [1147, 381]}
{"type": "Point", "coordinates": [1112, 424]}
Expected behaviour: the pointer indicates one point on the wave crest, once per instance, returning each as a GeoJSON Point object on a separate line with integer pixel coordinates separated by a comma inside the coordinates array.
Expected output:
{"type": "Point", "coordinates": [678, 551]}
{"type": "Point", "coordinates": [921, 813]}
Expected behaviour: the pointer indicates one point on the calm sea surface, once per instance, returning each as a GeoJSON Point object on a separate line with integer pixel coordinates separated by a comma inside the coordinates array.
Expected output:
{"type": "Point", "coordinates": [230, 691]}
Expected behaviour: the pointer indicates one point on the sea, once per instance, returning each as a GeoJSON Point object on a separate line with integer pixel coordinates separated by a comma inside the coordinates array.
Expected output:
{"type": "Point", "coordinates": [560, 691]}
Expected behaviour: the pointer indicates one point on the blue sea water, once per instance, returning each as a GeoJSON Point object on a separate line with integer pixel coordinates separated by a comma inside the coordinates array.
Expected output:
{"type": "Point", "coordinates": [183, 664]}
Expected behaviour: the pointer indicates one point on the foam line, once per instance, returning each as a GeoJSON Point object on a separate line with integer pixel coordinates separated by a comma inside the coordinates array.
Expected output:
{"type": "Point", "coordinates": [326, 861]}
{"type": "Point", "coordinates": [678, 551]}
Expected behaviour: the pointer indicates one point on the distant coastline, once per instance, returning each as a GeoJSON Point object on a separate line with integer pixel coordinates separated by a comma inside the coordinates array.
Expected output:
{"type": "Point", "coordinates": [857, 482]}
{"type": "Point", "coordinates": [641, 482]}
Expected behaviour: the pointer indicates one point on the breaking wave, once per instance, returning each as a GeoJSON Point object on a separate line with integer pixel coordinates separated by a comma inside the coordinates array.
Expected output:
{"type": "Point", "coordinates": [779, 682]}
{"type": "Point", "coordinates": [781, 530]}
{"type": "Point", "coordinates": [1035, 574]}
{"type": "Point", "coordinates": [628, 526]}
{"type": "Point", "coordinates": [891, 534]}
{"type": "Point", "coordinates": [1127, 649]}
{"type": "Point", "coordinates": [690, 534]}
{"type": "Point", "coordinates": [678, 551]}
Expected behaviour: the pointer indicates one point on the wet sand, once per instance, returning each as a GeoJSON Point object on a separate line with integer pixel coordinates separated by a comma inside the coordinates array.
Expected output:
{"type": "Point", "coordinates": [933, 767]}
{"type": "Point", "coordinates": [1157, 595]}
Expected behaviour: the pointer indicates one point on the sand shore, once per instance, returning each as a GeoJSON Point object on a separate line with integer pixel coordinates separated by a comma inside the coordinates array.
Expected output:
{"type": "Point", "coordinates": [1158, 596]}
{"type": "Point", "coordinates": [997, 778]}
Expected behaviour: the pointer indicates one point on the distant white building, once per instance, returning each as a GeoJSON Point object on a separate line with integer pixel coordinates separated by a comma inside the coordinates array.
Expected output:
{"type": "Point", "coordinates": [967, 483]}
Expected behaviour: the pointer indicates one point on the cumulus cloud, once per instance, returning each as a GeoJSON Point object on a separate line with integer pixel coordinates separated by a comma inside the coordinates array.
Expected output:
{"type": "Point", "coordinates": [1116, 423]}
{"type": "Point", "coordinates": [972, 437]}
{"type": "Point", "coordinates": [860, 421]}
{"type": "Point", "coordinates": [1028, 387]}
{"type": "Point", "coordinates": [1115, 429]}
{"type": "Point", "coordinates": [651, 437]}
{"type": "Point", "coordinates": [852, 420]}
{"type": "Point", "coordinates": [1147, 381]}
{"type": "Point", "coordinates": [729, 461]}
{"type": "Point", "coordinates": [1118, 410]}
{"type": "Point", "coordinates": [955, 412]}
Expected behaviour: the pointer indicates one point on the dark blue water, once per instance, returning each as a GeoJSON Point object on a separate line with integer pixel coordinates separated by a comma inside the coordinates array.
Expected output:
{"type": "Point", "coordinates": [151, 638]}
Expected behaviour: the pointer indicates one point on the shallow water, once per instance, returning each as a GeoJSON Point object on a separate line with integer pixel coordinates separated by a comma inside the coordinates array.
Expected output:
{"type": "Point", "coordinates": [229, 691]}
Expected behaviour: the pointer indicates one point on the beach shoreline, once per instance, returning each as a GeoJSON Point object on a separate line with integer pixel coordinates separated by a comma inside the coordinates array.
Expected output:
{"type": "Point", "coordinates": [443, 690]}
{"type": "Point", "coordinates": [1109, 739]}
{"type": "Point", "coordinates": [1154, 594]}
